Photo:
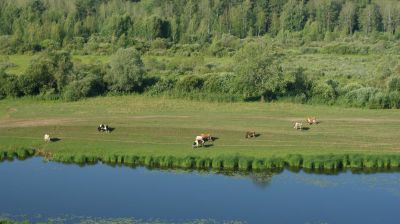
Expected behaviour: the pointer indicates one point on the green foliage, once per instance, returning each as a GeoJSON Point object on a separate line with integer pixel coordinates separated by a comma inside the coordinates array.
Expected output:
{"type": "Point", "coordinates": [258, 73]}
{"type": "Point", "coordinates": [190, 83]}
{"type": "Point", "coordinates": [360, 97]}
{"type": "Point", "coordinates": [87, 87]}
{"type": "Point", "coordinates": [293, 15]}
{"type": "Point", "coordinates": [126, 72]}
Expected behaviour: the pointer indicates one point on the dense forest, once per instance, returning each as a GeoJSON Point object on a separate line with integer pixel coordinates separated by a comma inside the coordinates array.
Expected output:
{"type": "Point", "coordinates": [35, 24]}
{"type": "Point", "coordinates": [257, 35]}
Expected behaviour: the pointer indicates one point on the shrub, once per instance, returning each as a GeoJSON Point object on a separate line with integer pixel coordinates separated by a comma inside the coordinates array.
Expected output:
{"type": "Point", "coordinates": [394, 100]}
{"type": "Point", "coordinates": [220, 83]}
{"type": "Point", "coordinates": [394, 83]}
{"type": "Point", "coordinates": [379, 100]}
{"type": "Point", "coordinates": [163, 85]}
{"type": "Point", "coordinates": [9, 85]}
{"type": "Point", "coordinates": [325, 92]}
{"type": "Point", "coordinates": [190, 83]}
{"type": "Point", "coordinates": [89, 86]}
{"type": "Point", "coordinates": [360, 97]}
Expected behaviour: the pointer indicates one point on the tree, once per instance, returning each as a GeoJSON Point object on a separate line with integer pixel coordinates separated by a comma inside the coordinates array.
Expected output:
{"type": "Point", "coordinates": [370, 19]}
{"type": "Point", "coordinates": [293, 15]}
{"type": "Point", "coordinates": [126, 72]}
{"type": "Point", "coordinates": [348, 17]}
{"type": "Point", "coordinates": [259, 73]}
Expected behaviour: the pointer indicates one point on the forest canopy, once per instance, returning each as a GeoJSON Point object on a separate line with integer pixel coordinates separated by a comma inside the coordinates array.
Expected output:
{"type": "Point", "coordinates": [34, 24]}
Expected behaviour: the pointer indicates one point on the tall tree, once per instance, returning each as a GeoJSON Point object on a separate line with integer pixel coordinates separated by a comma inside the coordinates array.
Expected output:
{"type": "Point", "coordinates": [348, 17]}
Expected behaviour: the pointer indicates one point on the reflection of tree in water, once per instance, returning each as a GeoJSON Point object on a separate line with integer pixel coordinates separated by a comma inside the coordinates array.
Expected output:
{"type": "Point", "coordinates": [260, 178]}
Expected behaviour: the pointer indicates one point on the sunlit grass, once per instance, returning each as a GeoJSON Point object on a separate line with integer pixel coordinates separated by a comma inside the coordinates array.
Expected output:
{"type": "Point", "coordinates": [159, 132]}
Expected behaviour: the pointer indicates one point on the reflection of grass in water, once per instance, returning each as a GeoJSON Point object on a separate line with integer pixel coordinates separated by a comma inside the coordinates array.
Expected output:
{"type": "Point", "coordinates": [11, 219]}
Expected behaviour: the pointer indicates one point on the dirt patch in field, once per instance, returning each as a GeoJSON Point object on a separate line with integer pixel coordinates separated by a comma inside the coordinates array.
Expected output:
{"type": "Point", "coordinates": [35, 122]}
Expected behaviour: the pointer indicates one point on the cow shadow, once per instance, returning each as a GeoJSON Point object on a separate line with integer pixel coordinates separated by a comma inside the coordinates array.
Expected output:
{"type": "Point", "coordinates": [305, 128]}
{"type": "Point", "coordinates": [208, 145]}
{"type": "Point", "coordinates": [55, 139]}
{"type": "Point", "coordinates": [111, 129]}
{"type": "Point", "coordinates": [257, 135]}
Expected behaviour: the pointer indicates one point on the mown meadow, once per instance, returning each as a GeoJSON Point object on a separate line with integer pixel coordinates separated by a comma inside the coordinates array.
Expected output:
{"type": "Point", "coordinates": [158, 132]}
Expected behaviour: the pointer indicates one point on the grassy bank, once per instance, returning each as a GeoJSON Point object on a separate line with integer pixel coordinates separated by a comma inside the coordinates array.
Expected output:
{"type": "Point", "coordinates": [159, 132]}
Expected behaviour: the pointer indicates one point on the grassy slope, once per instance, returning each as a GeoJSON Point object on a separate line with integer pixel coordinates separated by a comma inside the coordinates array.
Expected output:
{"type": "Point", "coordinates": [166, 127]}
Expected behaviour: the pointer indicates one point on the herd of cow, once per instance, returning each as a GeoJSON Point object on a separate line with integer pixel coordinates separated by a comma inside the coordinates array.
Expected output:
{"type": "Point", "coordinates": [203, 138]}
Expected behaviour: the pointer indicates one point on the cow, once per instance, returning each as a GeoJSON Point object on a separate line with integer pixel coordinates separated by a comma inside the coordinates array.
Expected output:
{"type": "Point", "coordinates": [250, 134]}
{"type": "Point", "coordinates": [103, 127]}
{"type": "Point", "coordinates": [311, 120]}
{"type": "Point", "coordinates": [198, 142]}
{"type": "Point", "coordinates": [298, 125]}
{"type": "Point", "coordinates": [47, 138]}
{"type": "Point", "coordinates": [207, 137]}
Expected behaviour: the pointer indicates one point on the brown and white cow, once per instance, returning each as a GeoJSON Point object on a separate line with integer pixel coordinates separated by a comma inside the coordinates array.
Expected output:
{"type": "Point", "coordinates": [250, 134]}
{"type": "Point", "coordinates": [311, 120]}
{"type": "Point", "coordinates": [207, 137]}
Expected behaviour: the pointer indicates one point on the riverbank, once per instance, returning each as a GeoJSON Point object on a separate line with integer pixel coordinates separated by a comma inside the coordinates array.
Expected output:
{"type": "Point", "coordinates": [159, 132]}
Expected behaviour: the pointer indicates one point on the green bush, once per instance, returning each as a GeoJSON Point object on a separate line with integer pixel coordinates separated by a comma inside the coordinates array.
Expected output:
{"type": "Point", "coordinates": [87, 87]}
{"type": "Point", "coordinates": [220, 83]}
{"type": "Point", "coordinates": [190, 83]}
{"type": "Point", "coordinates": [379, 100]}
{"type": "Point", "coordinates": [325, 92]}
{"type": "Point", "coordinates": [360, 97]}
{"type": "Point", "coordinates": [394, 100]}
{"type": "Point", "coordinates": [162, 85]}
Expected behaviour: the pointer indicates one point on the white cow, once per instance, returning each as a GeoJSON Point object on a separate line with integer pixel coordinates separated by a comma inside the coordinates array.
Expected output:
{"type": "Point", "coordinates": [298, 126]}
{"type": "Point", "coordinates": [47, 138]}
{"type": "Point", "coordinates": [198, 141]}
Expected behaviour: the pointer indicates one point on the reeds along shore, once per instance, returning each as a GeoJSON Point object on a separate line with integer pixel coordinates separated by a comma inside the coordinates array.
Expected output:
{"type": "Point", "coordinates": [315, 163]}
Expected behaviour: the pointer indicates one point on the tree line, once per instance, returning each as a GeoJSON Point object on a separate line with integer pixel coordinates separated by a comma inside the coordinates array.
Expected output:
{"type": "Point", "coordinates": [257, 75]}
{"type": "Point", "coordinates": [31, 25]}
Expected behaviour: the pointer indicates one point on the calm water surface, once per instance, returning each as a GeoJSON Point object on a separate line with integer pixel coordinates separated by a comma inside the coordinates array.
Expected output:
{"type": "Point", "coordinates": [39, 190]}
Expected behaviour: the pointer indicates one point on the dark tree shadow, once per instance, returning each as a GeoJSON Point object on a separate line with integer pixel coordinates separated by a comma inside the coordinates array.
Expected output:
{"type": "Point", "coordinates": [55, 139]}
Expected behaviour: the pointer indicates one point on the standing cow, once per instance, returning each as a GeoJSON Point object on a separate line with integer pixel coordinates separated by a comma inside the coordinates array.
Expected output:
{"type": "Point", "coordinates": [311, 120]}
{"type": "Point", "coordinates": [298, 126]}
{"type": "Point", "coordinates": [47, 138]}
{"type": "Point", "coordinates": [250, 134]}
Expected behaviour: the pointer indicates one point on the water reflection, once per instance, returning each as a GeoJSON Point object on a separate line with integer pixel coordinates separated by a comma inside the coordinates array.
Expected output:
{"type": "Point", "coordinates": [52, 189]}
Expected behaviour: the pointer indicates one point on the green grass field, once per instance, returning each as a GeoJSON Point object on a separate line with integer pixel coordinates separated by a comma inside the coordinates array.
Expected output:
{"type": "Point", "coordinates": [165, 128]}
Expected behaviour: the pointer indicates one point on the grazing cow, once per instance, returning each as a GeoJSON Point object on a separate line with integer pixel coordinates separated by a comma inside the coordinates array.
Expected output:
{"type": "Point", "coordinates": [298, 125]}
{"type": "Point", "coordinates": [47, 138]}
{"type": "Point", "coordinates": [207, 137]}
{"type": "Point", "coordinates": [198, 141]}
{"type": "Point", "coordinates": [250, 134]}
{"type": "Point", "coordinates": [311, 120]}
{"type": "Point", "coordinates": [103, 127]}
